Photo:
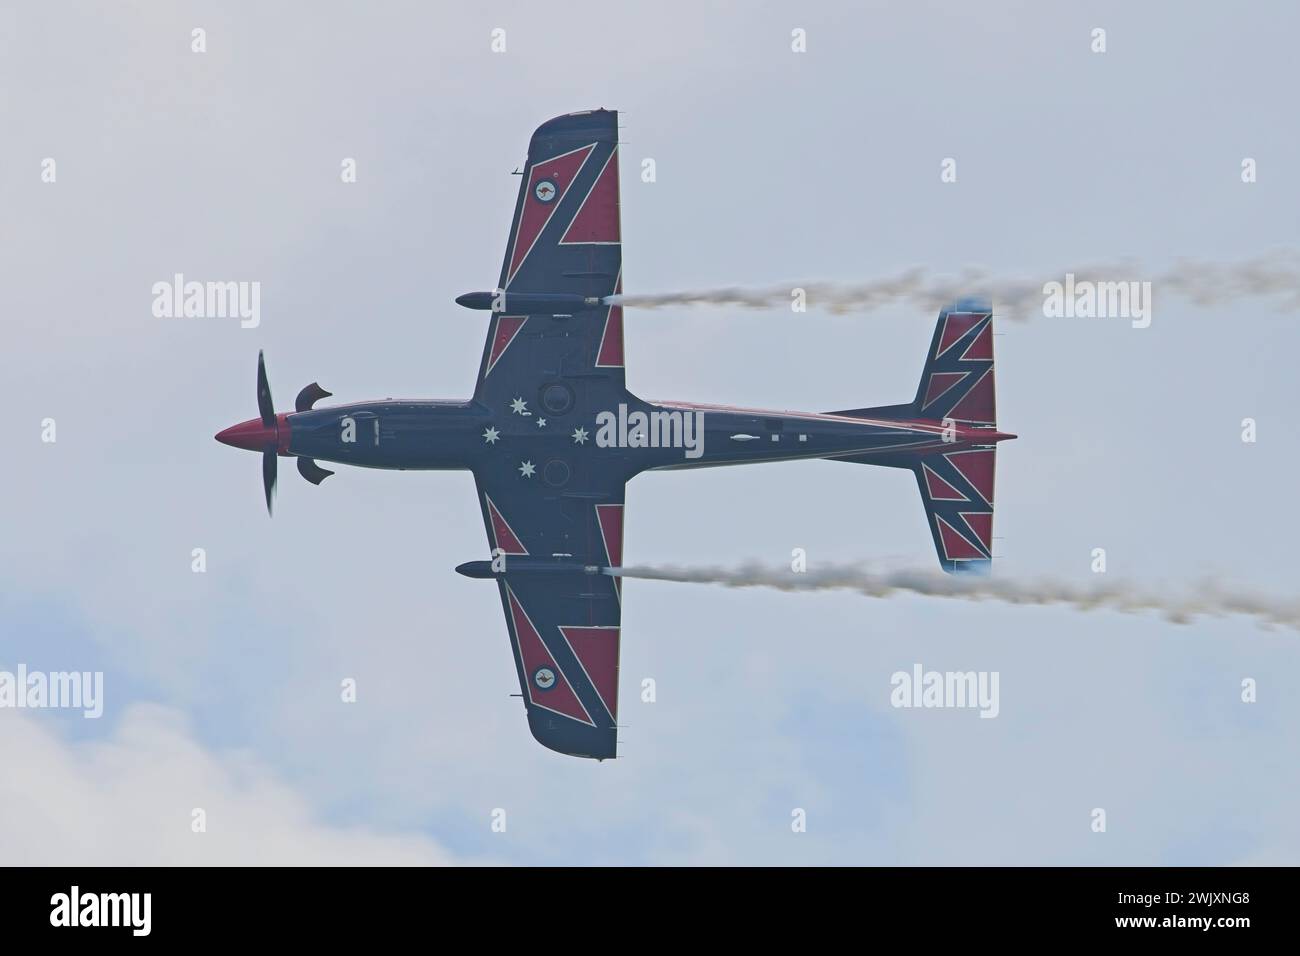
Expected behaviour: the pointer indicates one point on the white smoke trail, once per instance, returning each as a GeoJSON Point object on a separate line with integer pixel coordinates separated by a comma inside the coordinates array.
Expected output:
{"type": "Point", "coordinates": [1274, 275]}
{"type": "Point", "coordinates": [1207, 600]}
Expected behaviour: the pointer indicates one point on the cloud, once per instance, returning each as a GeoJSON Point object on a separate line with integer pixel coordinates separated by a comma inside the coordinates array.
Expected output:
{"type": "Point", "coordinates": [129, 800]}
{"type": "Point", "coordinates": [226, 166]}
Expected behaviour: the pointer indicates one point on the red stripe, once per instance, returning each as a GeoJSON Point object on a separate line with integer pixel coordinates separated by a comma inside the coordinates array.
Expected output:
{"type": "Point", "coordinates": [562, 171]}
{"type": "Point", "coordinates": [560, 696]}
{"type": "Point", "coordinates": [507, 327]}
{"type": "Point", "coordinates": [597, 649]}
{"type": "Point", "coordinates": [955, 547]}
{"type": "Point", "coordinates": [977, 468]}
{"type": "Point", "coordinates": [505, 538]}
{"type": "Point", "coordinates": [597, 219]}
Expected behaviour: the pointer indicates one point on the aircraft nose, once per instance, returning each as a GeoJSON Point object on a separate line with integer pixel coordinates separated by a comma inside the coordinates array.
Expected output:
{"type": "Point", "coordinates": [252, 435]}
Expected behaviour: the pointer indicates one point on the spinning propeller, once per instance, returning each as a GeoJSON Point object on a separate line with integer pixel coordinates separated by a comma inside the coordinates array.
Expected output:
{"type": "Point", "coordinates": [269, 433]}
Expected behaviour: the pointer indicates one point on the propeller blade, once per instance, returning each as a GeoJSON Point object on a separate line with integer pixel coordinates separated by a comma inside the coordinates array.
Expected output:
{"type": "Point", "coordinates": [309, 396]}
{"type": "Point", "coordinates": [268, 474]}
{"type": "Point", "coordinates": [265, 407]}
{"type": "Point", "coordinates": [312, 471]}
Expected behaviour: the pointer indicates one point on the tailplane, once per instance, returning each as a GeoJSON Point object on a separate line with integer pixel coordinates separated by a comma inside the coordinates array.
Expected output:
{"type": "Point", "coordinates": [957, 491]}
{"type": "Point", "coordinates": [956, 390]}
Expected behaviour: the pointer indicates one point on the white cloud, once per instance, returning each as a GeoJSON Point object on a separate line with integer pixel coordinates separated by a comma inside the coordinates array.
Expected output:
{"type": "Point", "coordinates": [226, 166]}
{"type": "Point", "coordinates": [129, 799]}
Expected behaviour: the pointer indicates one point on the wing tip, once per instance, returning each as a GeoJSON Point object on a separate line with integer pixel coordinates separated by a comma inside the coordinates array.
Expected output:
{"type": "Point", "coordinates": [600, 123]}
{"type": "Point", "coordinates": [580, 740]}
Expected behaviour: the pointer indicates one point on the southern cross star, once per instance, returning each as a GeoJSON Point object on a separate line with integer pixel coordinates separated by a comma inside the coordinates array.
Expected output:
{"type": "Point", "coordinates": [541, 423]}
{"type": "Point", "coordinates": [491, 435]}
{"type": "Point", "coordinates": [518, 406]}
{"type": "Point", "coordinates": [580, 435]}
{"type": "Point", "coordinates": [526, 469]}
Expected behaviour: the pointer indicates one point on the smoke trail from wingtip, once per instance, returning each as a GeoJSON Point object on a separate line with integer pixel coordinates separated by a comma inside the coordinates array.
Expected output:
{"type": "Point", "coordinates": [1274, 275]}
{"type": "Point", "coordinates": [1208, 600]}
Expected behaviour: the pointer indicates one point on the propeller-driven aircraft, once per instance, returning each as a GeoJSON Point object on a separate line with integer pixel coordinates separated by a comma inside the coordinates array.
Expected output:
{"type": "Point", "coordinates": [552, 435]}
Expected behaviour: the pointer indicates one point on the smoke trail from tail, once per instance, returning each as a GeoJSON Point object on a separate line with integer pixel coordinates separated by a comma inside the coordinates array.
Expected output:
{"type": "Point", "coordinates": [1273, 275]}
{"type": "Point", "coordinates": [1207, 600]}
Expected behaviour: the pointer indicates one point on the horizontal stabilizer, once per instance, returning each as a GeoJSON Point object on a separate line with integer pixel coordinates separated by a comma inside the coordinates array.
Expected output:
{"type": "Point", "coordinates": [956, 390]}
{"type": "Point", "coordinates": [957, 491]}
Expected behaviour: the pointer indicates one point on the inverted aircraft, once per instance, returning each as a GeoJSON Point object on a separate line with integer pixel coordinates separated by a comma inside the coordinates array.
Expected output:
{"type": "Point", "coordinates": [553, 436]}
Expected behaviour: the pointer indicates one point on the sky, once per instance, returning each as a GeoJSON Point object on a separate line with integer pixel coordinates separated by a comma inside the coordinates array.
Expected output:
{"type": "Point", "coordinates": [222, 688]}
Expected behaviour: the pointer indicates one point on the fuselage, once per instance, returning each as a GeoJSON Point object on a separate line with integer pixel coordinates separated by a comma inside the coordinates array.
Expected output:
{"type": "Point", "coordinates": [427, 435]}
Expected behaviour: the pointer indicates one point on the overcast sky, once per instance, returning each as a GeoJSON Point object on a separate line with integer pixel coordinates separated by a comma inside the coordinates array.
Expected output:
{"type": "Point", "coordinates": [222, 688]}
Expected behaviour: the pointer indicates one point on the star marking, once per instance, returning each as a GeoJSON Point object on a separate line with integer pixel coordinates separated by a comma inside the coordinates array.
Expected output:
{"type": "Point", "coordinates": [518, 406]}
{"type": "Point", "coordinates": [580, 435]}
{"type": "Point", "coordinates": [541, 423]}
{"type": "Point", "coordinates": [491, 435]}
{"type": "Point", "coordinates": [526, 469]}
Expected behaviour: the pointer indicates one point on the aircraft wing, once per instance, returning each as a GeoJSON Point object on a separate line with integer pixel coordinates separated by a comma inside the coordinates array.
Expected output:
{"type": "Point", "coordinates": [565, 238]}
{"type": "Point", "coordinates": [547, 373]}
{"type": "Point", "coordinates": [563, 627]}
